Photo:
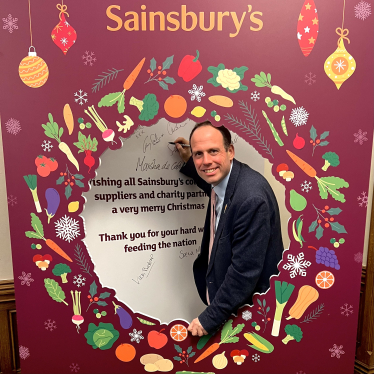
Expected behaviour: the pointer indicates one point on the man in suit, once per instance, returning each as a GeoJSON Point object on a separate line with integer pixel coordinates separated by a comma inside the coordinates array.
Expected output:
{"type": "Point", "coordinates": [242, 241]}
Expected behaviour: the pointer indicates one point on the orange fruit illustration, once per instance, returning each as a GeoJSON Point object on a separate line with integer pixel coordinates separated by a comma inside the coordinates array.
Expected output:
{"type": "Point", "coordinates": [325, 279]}
{"type": "Point", "coordinates": [178, 333]}
{"type": "Point", "coordinates": [125, 352]}
{"type": "Point", "coordinates": [175, 106]}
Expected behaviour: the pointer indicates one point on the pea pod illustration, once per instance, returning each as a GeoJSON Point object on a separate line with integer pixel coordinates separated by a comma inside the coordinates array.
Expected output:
{"type": "Point", "coordinates": [125, 319]}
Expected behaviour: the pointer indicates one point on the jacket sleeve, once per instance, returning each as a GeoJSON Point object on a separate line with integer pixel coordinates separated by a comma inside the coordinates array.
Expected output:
{"type": "Point", "coordinates": [249, 241]}
{"type": "Point", "coordinates": [189, 170]}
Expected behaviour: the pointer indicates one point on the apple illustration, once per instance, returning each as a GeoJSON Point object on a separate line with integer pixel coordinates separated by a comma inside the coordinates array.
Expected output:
{"type": "Point", "coordinates": [156, 339]}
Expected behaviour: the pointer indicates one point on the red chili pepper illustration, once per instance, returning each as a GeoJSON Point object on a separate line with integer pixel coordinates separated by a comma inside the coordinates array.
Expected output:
{"type": "Point", "coordinates": [189, 67]}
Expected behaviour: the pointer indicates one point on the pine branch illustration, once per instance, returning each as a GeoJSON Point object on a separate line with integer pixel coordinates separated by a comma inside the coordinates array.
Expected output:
{"type": "Point", "coordinates": [314, 315]}
{"type": "Point", "coordinates": [250, 116]}
{"type": "Point", "coordinates": [105, 78]}
{"type": "Point", "coordinates": [82, 262]}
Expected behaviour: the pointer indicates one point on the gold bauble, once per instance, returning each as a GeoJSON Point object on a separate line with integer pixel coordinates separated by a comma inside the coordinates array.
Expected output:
{"type": "Point", "coordinates": [33, 70]}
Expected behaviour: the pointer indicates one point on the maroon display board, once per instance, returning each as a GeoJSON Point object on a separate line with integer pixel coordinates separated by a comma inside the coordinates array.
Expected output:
{"type": "Point", "coordinates": [294, 82]}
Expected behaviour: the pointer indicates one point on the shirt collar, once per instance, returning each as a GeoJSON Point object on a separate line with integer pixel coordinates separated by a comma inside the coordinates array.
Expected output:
{"type": "Point", "coordinates": [220, 189]}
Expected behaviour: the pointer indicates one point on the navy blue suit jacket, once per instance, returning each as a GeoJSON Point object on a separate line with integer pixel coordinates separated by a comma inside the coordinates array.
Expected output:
{"type": "Point", "coordinates": [247, 245]}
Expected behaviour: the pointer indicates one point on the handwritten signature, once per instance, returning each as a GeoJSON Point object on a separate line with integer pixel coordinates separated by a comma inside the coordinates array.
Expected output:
{"type": "Point", "coordinates": [151, 140]}
{"type": "Point", "coordinates": [146, 270]}
{"type": "Point", "coordinates": [173, 127]}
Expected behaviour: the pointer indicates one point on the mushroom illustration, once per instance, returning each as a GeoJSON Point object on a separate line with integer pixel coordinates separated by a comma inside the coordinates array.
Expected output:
{"type": "Point", "coordinates": [281, 169]}
{"type": "Point", "coordinates": [288, 176]}
{"type": "Point", "coordinates": [42, 262]}
{"type": "Point", "coordinates": [239, 356]}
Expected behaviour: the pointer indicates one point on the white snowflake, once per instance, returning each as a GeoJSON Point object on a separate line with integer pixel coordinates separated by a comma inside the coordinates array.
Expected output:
{"type": "Point", "coordinates": [25, 279]}
{"type": "Point", "coordinates": [340, 65]}
{"type": "Point", "coordinates": [24, 352]}
{"type": "Point", "coordinates": [66, 23]}
{"type": "Point", "coordinates": [74, 368]}
{"type": "Point", "coordinates": [88, 58]}
{"type": "Point", "coordinates": [336, 351]}
{"type": "Point", "coordinates": [47, 146]}
{"type": "Point", "coordinates": [255, 96]}
{"type": "Point", "coordinates": [297, 265]}
{"type": "Point", "coordinates": [79, 280]}
{"type": "Point", "coordinates": [67, 228]}
{"type": "Point", "coordinates": [360, 137]}
{"type": "Point", "coordinates": [364, 199]}
{"type": "Point", "coordinates": [64, 41]}
{"type": "Point", "coordinates": [80, 97]}
{"type": "Point", "coordinates": [247, 315]}
{"type": "Point", "coordinates": [256, 357]}
{"type": "Point", "coordinates": [310, 78]}
{"type": "Point", "coordinates": [196, 93]}
{"type": "Point", "coordinates": [362, 10]}
{"type": "Point", "coordinates": [12, 126]}
{"type": "Point", "coordinates": [12, 200]}
{"type": "Point", "coordinates": [358, 257]}
{"type": "Point", "coordinates": [136, 336]}
{"type": "Point", "coordinates": [306, 186]}
{"type": "Point", "coordinates": [50, 325]}
{"type": "Point", "coordinates": [10, 23]}
{"type": "Point", "coordinates": [346, 310]}
{"type": "Point", "coordinates": [299, 116]}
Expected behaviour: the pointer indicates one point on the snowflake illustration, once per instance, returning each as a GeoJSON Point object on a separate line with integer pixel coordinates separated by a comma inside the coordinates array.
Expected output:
{"type": "Point", "coordinates": [247, 315]}
{"type": "Point", "coordinates": [25, 279]}
{"type": "Point", "coordinates": [12, 200]}
{"type": "Point", "coordinates": [360, 137]}
{"type": "Point", "coordinates": [363, 199]}
{"type": "Point", "coordinates": [336, 351]}
{"type": "Point", "coordinates": [297, 265]}
{"type": "Point", "coordinates": [306, 186]}
{"type": "Point", "coordinates": [340, 65]}
{"type": "Point", "coordinates": [256, 357]}
{"type": "Point", "coordinates": [79, 280]}
{"type": "Point", "coordinates": [80, 97]}
{"type": "Point", "coordinates": [255, 96]}
{"type": "Point", "coordinates": [50, 325]}
{"type": "Point", "coordinates": [10, 23]}
{"type": "Point", "coordinates": [67, 228]}
{"type": "Point", "coordinates": [47, 146]}
{"type": "Point", "coordinates": [88, 58]}
{"type": "Point", "coordinates": [136, 336]}
{"type": "Point", "coordinates": [310, 78]}
{"type": "Point", "coordinates": [358, 257]}
{"type": "Point", "coordinates": [64, 41]}
{"type": "Point", "coordinates": [362, 10]}
{"type": "Point", "coordinates": [196, 93]}
{"type": "Point", "coordinates": [12, 126]}
{"type": "Point", "coordinates": [74, 368]}
{"type": "Point", "coordinates": [346, 310]}
{"type": "Point", "coordinates": [299, 116]}
{"type": "Point", "coordinates": [66, 23]}
{"type": "Point", "coordinates": [24, 352]}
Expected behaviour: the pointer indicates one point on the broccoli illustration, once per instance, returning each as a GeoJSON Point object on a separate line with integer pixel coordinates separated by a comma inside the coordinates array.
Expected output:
{"type": "Point", "coordinates": [62, 270]}
{"type": "Point", "coordinates": [148, 107]}
{"type": "Point", "coordinates": [331, 159]}
{"type": "Point", "coordinates": [293, 333]}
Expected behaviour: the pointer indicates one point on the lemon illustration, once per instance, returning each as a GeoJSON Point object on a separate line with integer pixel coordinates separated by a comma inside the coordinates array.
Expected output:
{"type": "Point", "coordinates": [73, 206]}
{"type": "Point", "coordinates": [198, 111]}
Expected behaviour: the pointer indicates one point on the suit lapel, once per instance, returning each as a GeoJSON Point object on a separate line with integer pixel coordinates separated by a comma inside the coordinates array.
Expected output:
{"type": "Point", "coordinates": [225, 207]}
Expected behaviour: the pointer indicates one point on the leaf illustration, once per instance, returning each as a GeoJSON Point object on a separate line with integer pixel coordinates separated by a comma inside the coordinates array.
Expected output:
{"type": "Point", "coordinates": [153, 64]}
{"type": "Point", "coordinates": [322, 191]}
{"type": "Point", "coordinates": [110, 99]}
{"type": "Point", "coordinates": [68, 190]}
{"type": "Point", "coordinates": [177, 358]}
{"type": "Point", "coordinates": [313, 226]}
{"type": "Point", "coordinates": [264, 303]}
{"type": "Point", "coordinates": [104, 295]}
{"type": "Point", "coordinates": [61, 179]}
{"type": "Point", "coordinates": [167, 63]}
{"type": "Point", "coordinates": [267, 309]}
{"type": "Point", "coordinates": [78, 176]}
{"type": "Point", "coordinates": [259, 302]}
{"type": "Point", "coordinates": [178, 348]}
{"type": "Point", "coordinates": [169, 80]}
{"type": "Point", "coordinates": [324, 135]}
{"type": "Point", "coordinates": [189, 349]}
{"type": "Point", "coordinates": [323, 144]}
{"type": "Point", "coordinates": [192, 354]}
{"type": "Point", "coordinates": [269, 77]}
{"type": "Point", "coordinates": [319, 232]}
{"type": "Point", "coordinates": [334, 211]}
{"type": "Point", "coordinates": [226, 329]}
{"type": "Point", "coordinates": [54, 290]}
{"type": "Point", "coordinates": [313, 133]}
{"type": "Point", "coordinates": [93, 289]}
{"type": "Point", "coordinates": [338, 227]}
{"type": "Point", "coordinates": [163, 85]}
{"type": "Point", "coordinates": [36, 224]}
{"type": "Point", "coordinates": [121, 104]}
{"type": "Point", "coordinates": [101, 303]}
{"type": "Point", "coordinates": [240, 71]}
{"type": "Point", "coordinates": [32, 234]}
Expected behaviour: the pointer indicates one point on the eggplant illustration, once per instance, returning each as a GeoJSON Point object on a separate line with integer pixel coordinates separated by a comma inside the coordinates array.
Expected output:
{"type": "Point", "coordinates": [53, 200]}
{"type": "Point", "coordinates": [125, 319]}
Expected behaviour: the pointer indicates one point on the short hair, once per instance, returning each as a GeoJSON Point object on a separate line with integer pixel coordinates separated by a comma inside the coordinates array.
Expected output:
{"type": "Point", "coordinates": [222, 129]}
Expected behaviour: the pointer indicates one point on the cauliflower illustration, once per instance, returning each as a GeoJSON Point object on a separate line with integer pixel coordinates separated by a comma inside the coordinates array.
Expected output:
{"type": "Point", "coordinates": [231, 79]}
{"type": "Point", "coordinates": [228, 79]}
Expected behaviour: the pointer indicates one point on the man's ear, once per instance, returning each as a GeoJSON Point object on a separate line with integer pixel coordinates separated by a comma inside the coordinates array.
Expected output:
{"type": "Point", "coordinates": [231, 151]}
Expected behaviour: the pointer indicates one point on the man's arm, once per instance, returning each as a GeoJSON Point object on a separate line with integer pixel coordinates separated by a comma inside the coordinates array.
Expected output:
{"type": "Point", "coordinates": [249, 242]}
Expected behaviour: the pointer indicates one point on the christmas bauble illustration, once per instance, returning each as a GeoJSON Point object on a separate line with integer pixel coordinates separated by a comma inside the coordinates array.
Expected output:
{"type": "Point", "coordinates": [33, 70]}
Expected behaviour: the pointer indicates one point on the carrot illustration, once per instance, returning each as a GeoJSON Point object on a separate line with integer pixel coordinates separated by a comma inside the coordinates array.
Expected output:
{"type": "Point", "coordinates": [326, 185]}
{"type": "Point", "coordinates": [39, 234]}
{"type": "Point", "coordinates": [133, 75]}
{"type": "Point", "coordinates": [68, 117]}
{"type": "Point", "coordinates": [227, 336]}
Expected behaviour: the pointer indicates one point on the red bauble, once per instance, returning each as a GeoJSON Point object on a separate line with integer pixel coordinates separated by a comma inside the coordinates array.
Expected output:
{"type": "Point", "coordinates": [64, 35]}
{"type": "Point", "coordinates": [307, 27]}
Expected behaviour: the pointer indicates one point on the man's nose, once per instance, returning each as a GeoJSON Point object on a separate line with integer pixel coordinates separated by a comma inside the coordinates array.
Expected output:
{"type": "Point", "coordinates": [207, 159]}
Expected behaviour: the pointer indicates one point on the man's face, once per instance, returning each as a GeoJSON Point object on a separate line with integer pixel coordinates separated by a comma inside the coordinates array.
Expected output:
{"type": "Point", "coordinates": [210, 157]}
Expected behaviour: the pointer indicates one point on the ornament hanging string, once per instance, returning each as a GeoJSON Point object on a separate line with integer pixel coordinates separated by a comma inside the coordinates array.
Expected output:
{"type": "Point", "coordinates": [341, 31]}
{"type": "Point", "coordinates": [62, 8]}
{"type": "Point", "coordinates": [30, 24]}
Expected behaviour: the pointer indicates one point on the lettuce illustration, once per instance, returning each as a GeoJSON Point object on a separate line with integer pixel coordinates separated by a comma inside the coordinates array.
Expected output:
{"type": "Point", "coordinates": [102, 336]}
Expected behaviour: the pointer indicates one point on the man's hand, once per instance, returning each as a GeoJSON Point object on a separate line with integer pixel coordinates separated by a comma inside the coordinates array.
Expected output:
{"type": "Point", "coordinates": [196, 329]}
{"type": "Point", "coordinates": [184, 152]}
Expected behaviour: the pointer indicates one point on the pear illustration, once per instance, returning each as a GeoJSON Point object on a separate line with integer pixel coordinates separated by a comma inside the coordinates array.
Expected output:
{"type": "Point", "coordinates": [297, 201]}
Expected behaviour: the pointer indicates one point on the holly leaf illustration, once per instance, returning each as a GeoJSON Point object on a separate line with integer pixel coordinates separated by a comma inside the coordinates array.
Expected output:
{"type": "Point", "coordinates": [192, 354]}
{"type": "Point", "coordinates": [178, 348]}
{"type": "Point", "coordinates": [338, 227]}
{"type": "Point", "coordinates": [189, 349]}
{"type": "Point", "coordinates": [334, 211]}
{"type": "Point", "coordinates": [68, 190]}
{"type": "Point", "coordinates": [104, 295]}
{"type": "Point", "coordinates": [169, 80]}
{"type": "Point", "coordinates": [324, 135]}
{"type": "Point", "coordinates": [101, 303]}
{"type": "Point", "coordinates": [163, 85]}
{"type": "Point", "coordinates": [93, 289]}
{"type": "Point", "coordinates": [78, 176]}
{"type": "Point", "coordinates": [153, 64]}
{"type": "Point", "coordinates": [319, 232]}
{"type": "Point", "coordinates": [60, 180]}
{"type": "Point", "coordinates": [313, 133]}
{"type": "Point", "coordinates": [79, 183]}
{"type": "Point", "coordinates": [313, 226]}
{"type": "Point", "coordinates": [167, 63]}
{"type": "Point", "coordinates": [323, 144]}
{"type": "Point", "coordinates": [177, 358]}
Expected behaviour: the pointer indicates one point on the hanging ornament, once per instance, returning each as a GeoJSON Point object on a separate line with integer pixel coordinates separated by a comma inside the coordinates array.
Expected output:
{"type": "Point", "coordinates": [307, 27]}
{"type": "Point", "coordinates": [63, 35]}
{"type": "Point", "coordinates": [340, 65]}
{"type": "Point", "coordinates": [33, 70]}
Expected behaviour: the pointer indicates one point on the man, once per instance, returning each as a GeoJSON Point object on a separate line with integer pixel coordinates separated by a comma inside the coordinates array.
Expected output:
{"type": "Point", "coordinates": [246, 243]}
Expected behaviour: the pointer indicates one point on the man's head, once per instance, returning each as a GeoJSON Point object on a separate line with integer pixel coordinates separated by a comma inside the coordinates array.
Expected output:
{"type": "Point", "coordinates": [212, 151]}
